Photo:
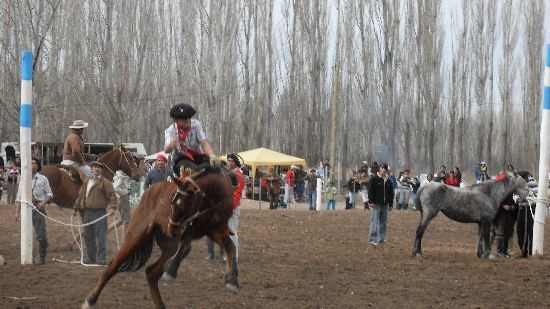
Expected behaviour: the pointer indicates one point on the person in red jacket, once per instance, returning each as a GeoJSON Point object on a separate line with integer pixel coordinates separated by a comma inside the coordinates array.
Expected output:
{"type": "Point", "coordinates": [452, 180]}
{"type": "Point", "coordinates": [290, 183]}
{"type": "Point", "coordinates": [233, 165]}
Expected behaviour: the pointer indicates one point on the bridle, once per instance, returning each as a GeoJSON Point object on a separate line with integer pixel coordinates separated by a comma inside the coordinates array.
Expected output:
{"type": "Point", "coordinates": [122, 155]}
{"type": "Point", "coordinates": [197, 192]}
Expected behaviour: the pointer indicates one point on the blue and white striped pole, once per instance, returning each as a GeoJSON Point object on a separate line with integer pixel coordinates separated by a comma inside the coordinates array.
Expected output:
{"type": "Point", "coordinates": [25, 149]}
{"type": "Point", "coordinates": [542, 194]}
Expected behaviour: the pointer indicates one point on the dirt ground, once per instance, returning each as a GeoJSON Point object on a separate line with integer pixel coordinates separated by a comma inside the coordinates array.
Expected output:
{"type": "Point", "coordinates": [293, 259]}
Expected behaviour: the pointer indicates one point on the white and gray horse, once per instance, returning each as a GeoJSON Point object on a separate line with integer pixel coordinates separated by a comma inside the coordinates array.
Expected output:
{"type": "Point", "coordinates": [477, 203]}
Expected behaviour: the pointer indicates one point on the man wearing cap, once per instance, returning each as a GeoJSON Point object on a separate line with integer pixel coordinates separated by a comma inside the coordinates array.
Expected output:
{"type": "Point", "coordinates": [187, 139]}
{"type": "Point", "coordinates": [41, 195]}
{"type": "Point", "coordinates": [158, 174]}
{"type": "Point", "coordinates": [96, 194]}
{"type": "Point", "coordinates": [73, 148]}
{"type": "Point", "coordinates": [380, 201]}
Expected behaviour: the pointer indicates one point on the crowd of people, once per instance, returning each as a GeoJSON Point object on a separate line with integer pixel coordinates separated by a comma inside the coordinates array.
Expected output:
{"type": "Point", "coordinates": [377, 186]}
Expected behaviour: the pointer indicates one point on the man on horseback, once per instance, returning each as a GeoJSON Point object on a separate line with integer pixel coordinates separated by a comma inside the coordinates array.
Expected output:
{"type": "Point", "coordinates": [73, 149]}
{"type": "Point", "coordinates": [185, 137]}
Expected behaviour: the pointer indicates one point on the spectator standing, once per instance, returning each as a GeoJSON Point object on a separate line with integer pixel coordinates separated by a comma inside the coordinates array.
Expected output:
{"type": "Point", "coordinates": [394, 184]}
{"type": "Point", "coordinates": [477, 173]}
{"type": "Point", "coordinates": [331, 195]}
{"type": "Point", "coordinates": [121, 184]}
{"type": "Point", "coordinates": [484, 171]}
{"type": "Point", "coordinates": [353, 187]}
{"type": "Point", "coordinates": [381, 196]}
{"type": "Point", "coordinates": [327, 171]}
{"type": "Point", "coordinates": [364, 179]}
{"type": "Point", "coordinates": [41, 195]}
{"type": "Point", "coordinates": [524, 217]}
{"type": "Point", "coordinates": [96, 194]}
{"type": "Point", "coordinates": [273, 188]}
{"type": "Point", "coordinates": [415, 185]}
{"type": "Point", "coordinates": [290, 183]}
{"type": "Point", "coordinates": [300, 175]}
{"type": "Point", "coordinates": [158, 173]}
{"type": "Point", "coordinates": [13, 175]}
{"type": "Point", "coordinates": [452, 180]}
{"type": "Point", "coordinates": [364, 168]}
{"type": "Point", "coordinates": [504, 223]}
{"type": "Point", "coordinates": [311, 188]}
{"type": "Point", "coordinates": [429, 178]}
{"type": "Point", "coordinates": [404, 187]}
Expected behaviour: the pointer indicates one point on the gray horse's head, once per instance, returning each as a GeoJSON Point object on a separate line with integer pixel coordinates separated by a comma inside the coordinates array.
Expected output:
{"type": "Point", "coordinates": [521, 188]}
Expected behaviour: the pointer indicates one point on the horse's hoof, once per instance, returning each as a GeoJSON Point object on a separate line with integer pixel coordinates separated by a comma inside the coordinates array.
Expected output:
{"type": "Point", "coordinates": [418, 254]}
{"type": "Point", "coordinates": [86, 305]}
{"type": "Point", "coordinates": [233, 288]}
{"type": "Point", "coordinates": [168, 278]}
{"type": "Point", "coordinates": [492, 257]}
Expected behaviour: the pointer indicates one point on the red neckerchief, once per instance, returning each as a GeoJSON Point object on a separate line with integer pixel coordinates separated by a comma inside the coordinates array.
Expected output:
{"type": "Point", "coordinates": [182, 134]}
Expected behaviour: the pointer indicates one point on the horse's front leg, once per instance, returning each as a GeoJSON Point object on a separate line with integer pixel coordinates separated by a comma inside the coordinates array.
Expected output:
{"type": "Point", "coordinates": [426, 218]}
{"type": "Point", "coordinates": [486, 226]}
{"type": "Point", "coordinates": [479, 240]}
{"type": "Point", "coordinates": [173, 264]}
{"type": "Point", "coordinates": [231, 269]}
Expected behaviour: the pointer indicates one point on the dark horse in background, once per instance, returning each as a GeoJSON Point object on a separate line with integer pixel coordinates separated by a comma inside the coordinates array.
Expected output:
{"type": "Point", "coordinates": [172, 216]}
{"type": "Point", "coordinates": [477, 203]}
{"type": "Point", "coordinates": [65, 190]}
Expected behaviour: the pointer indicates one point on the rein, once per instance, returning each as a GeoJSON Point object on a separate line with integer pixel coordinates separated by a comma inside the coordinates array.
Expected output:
{"type": "Point", "coordinates": [122, 154]}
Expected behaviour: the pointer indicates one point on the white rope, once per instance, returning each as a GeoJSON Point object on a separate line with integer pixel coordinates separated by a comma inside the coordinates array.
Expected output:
{"type": "Point", "coordinates": [63, 223]}
{"type": "Point", "coordinates": [536, 199]}
{"type": "Point", "coordinates": [528, 205]}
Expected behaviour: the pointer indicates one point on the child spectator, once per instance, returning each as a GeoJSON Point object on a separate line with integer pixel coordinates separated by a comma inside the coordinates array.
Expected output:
{"type": "Point", "coordinates": [331, 196]}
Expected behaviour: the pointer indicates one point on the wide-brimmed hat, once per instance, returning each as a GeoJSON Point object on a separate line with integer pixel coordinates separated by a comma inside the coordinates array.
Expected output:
{"type": "Point", "coordinates": [97, 163]}
{"type": "Point", "coordinates": [79, 124]}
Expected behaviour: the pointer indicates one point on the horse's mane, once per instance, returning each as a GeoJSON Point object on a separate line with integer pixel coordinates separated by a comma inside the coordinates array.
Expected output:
{"type": "Point", "coordinates": [490, 185]}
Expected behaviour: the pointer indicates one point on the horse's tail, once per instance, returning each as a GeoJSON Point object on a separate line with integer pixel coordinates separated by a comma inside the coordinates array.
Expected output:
{"type": "Point", "coordinates": [138, 258]}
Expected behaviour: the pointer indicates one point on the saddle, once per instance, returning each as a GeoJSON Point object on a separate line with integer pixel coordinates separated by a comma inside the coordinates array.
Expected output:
{"type": "Point", "coordinates": [74, 174]}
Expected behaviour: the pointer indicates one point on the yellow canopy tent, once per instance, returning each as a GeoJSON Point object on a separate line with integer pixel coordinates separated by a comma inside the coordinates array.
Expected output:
{"type": "Point", "coordinates": [266, 157]}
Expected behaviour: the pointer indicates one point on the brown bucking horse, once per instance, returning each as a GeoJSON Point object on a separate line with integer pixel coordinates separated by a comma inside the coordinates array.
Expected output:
{"type": "Point", "coordinates": [172, 216]}
{"type": "Point", "coordinates": [65, 188]}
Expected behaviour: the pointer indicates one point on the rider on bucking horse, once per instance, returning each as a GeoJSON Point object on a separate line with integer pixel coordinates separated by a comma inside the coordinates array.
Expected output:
{"type": "Point", "coordinates": [186, 138]}
{"type": "Point", "coordinates": [73, 149]}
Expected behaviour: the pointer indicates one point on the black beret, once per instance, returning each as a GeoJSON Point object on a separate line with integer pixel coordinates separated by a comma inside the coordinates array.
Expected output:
{"type": "Point", "coordinates": [235, 159]}
{"type": "Point", "coordinates": [182, 111]}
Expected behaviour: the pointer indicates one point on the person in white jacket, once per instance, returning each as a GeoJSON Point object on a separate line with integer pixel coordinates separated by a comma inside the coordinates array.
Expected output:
{"type": "Point", "coordinates": [121, 183]}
